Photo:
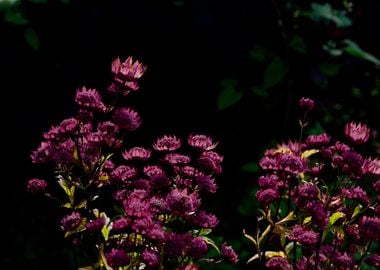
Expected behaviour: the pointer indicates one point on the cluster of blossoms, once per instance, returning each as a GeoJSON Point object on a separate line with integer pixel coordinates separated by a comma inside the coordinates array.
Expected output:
{"type": "Point", "coordinates": [130, 207]}
{"type": "Point", "coordinates": [319, 201]}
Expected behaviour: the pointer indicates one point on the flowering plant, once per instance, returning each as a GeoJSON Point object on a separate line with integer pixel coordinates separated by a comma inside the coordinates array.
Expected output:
{"type": "Point", "coordinates": [136, 207]}
{"type": "Point", "coordinates": [319, 202]}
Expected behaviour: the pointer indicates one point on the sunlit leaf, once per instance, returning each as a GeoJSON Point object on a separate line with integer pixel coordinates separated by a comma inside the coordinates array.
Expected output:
{"type": "Point", "coordinates": [31, 38]}
{"type": "Point", "coordinates": [325, 12]}
{"type": "Point", "coordinates": [229, 95]}
{"type": "Point", "coordinates": [211, 242]}
{"type": "Point", "coordinates": [307, 220]}
{"type": "Point", "coordinates": [274, 73]}
{"type": "Point", "coordinates": [354, 50]}
{"type": "Point", "coordinates": [356, 211]}
{"type": "Point", "coordinates": [15, 17]}
{"type": "Point", "coordinates": [308, 153]}
{"type": "Point", "coordinates": [334, 217]}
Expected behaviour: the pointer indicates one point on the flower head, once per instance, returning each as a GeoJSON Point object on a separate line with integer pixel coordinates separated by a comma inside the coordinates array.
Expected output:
{"type": "Point", "coordinates": [201, 142]}
{"type": "Point", "coordinates": [229, 254]}
{"type": "Point", "coordinates": [89, 99]}
{"type": "Point", "coordinates": [278, 263]}
{"type": "Point", "coordinates": [357, 133]}
{"type": "Point", "coordinates": [138, 153]}
{"type": "Point", "coordinates": [126, 118]}
{"type": "Point", "coordinates": [117, 257]}
{"type": "Point", "coordinates": [167, 143]}
{"type": "Point", "coordinates": [306, 103]}
{"type": "Point", "coordinates": [36, 185]}
{"type": "Point", "coordinates": [72, 221]}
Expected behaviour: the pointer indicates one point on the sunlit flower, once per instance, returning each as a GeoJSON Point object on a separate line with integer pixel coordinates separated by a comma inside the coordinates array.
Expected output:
{"type": "Point", "coordinates": [357, 133]}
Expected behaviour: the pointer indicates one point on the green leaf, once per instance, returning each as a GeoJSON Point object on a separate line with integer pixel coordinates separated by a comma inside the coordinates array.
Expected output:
{"type": "Point", "coordinates": [5, 4]}
{"type": "Point", "coordinates": [354, 50]}
{"type": "Point", "coordinates": [316, 129]}
{"type": "Point", "coordinates": [250, 167]}
{"type": "Point", "coordinates": [258, 54]}
{"type": "Point", "coordinates": [274, 73]}
{"type": "Point", "coordinates": [334, 217]}
{"type": "Point", "coordinates": [327, 13]}
{"type": "Point", "coordinates": [260, 91]}
{"type": "Point", "coordinates": [211, 242]}
{"type": "Point", "coordinates": [229, 95]}
{"type": "Point", "coordinates": [329, 69]}
{"type": "Point", "coordinates": [298, 44]}
{"type": "Point", "coordinates": [15, 17]}
{"type": "Point", "coordinates": [31, 38]}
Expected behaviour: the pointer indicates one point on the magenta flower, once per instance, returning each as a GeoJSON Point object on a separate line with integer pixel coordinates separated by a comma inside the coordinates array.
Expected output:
{"type": "Point", "coordinates": [126, 74]}
{"type": "Point", "coordinates": [278, 263]}
{"type": "Point", "coordinates": [137, 153]}
{"type": "Point", "coordinates": [181, 202]}
{"type": "Point", "coordinates": [36, 185]}
{"type": "Point", "coordinates": [369, 228]}
{"type": "Point", "coordinates": [174, 246]}
{"type": "Point", "coordinates": [306, 103]}
{"type": "Point", "coordinates": [317, 141]}
{"type": "Point", "coordinates": [117, 257]}
{"type": "Point", "coordinates": [373, 260]}
{"type": "Point", "coordinates": [229, 254]}
{"type": "Point", "coordinates": [150, 258]}
{"type": "Point", "coordinates": [126, 118]}
{"type": "Point", "coordinates": [167, 143]}
{"type": "Point", "coordinates": [266, 196]}
{"type": "Point", "coordinates": [197, 248]}
{"type": "Point", "coordinates": [176, 159]}
{"type": "Point", "coordinates": [201, 142]}
{"type": "Point", "coordinates": [95, 225]}
{"type": "Point", "coordinates": [303, 235]}
{"type": "Point", "coordinates": [357, 133]}
{"type": "Point", "coordinates": [90, 99]}
{"type": "Point", "coordinates": [204, 220]}
{"type": "Point", "coordinates": [371, 167]}
{"type": "Point", "coordinates": [72, 221]}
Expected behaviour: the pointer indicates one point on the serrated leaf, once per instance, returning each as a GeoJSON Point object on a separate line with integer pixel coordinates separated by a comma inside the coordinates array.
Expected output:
{"type": "Point", "coordinates": [229, 95]}
{"type": "Point", "coordinates": [15, 17]}
{"type": "Point", "coordinates": [274, 73]}
{"type": "Point", "coordinates": [31, 38]}
{"type": "Point", "coordinates": [250, 167]}
{"type": "Point", "coordinates": [327, 13]}
{"type": "Point", "coordinates": [354, 50]}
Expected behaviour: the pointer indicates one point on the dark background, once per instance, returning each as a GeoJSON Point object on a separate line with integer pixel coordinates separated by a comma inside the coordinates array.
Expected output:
{"type": "Point", "coordinates": [189, 47]}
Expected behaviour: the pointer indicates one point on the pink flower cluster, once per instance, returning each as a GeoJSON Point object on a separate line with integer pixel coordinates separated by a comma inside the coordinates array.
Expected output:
{"type": "Point", "coordinates": [140, 205]}
{"type": "Point", "coordinates": [320, 201]}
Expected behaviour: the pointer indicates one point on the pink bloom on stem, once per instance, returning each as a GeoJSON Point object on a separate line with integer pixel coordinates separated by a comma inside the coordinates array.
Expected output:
{"type": "Point", "coordinates": [229, 254]}
{"type": "Point", "coordinates": [357, 133]}
{"type": "Point", "coordinates": [306, 103]}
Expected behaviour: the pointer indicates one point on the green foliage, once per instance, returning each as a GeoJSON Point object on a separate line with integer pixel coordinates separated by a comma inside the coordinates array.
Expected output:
{"type": "Point", "coordinates": [15, 17]}
{"type": "Point", "coordinates": [326, 13]}
{"type": "Point", "coordinates": [275, 72]}
{"type": "Point", "coordinates": [354, 50]}
{"type": "Point", "coordinates": [31, 38]}
{"type": "Point", "coordinates": [229, 95]}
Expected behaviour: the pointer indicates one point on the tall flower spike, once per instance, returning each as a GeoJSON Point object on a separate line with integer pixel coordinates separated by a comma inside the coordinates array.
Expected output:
{"type": "Point", "coordinates": [357, 133]}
